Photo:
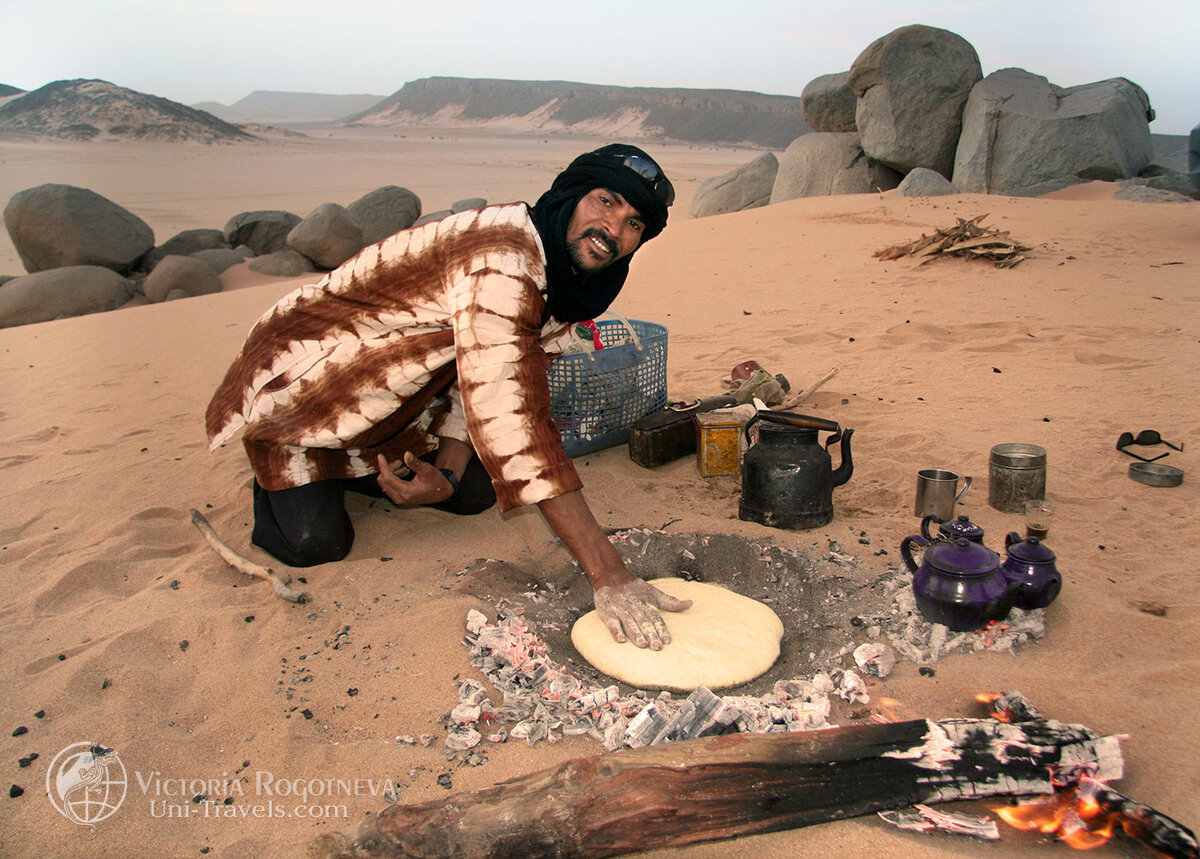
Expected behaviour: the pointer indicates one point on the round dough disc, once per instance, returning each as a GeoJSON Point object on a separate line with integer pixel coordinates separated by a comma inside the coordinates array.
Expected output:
{"type": "Point", "coordinates": [724, 639]}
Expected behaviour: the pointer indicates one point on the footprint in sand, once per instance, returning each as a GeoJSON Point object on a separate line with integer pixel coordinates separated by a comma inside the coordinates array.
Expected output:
{"type": "Point", "coordinates": [10, 461]}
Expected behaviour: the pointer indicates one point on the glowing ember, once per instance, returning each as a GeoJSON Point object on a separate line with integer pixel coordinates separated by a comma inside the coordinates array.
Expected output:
{"type": "Point", "coordinates": [1087, 815]}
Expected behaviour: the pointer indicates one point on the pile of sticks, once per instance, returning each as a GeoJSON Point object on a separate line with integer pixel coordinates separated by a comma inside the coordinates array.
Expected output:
{"type": "Point", "coordinates": [968, 239]}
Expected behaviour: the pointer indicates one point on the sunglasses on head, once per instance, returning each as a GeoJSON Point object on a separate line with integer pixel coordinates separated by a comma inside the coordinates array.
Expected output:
{"type": "Point", "coordinates": [652, 173]}
{"type": "Point", "coordinates": [1145, 437]}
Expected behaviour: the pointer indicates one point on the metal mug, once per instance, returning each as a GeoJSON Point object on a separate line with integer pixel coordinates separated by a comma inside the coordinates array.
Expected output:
{"type": "Point", "coordinates": [938, 493]}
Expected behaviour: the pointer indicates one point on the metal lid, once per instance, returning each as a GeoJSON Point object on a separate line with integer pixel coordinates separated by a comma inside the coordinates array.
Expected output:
{"type": "Point", "coordinates": [1154, 474]}
{"type": "Point", "coordinates": [963, 557]}
{"type": "Point", "coordinates": [1018, 455]}
{"type": "Point", "coordinates": [1031, 550]}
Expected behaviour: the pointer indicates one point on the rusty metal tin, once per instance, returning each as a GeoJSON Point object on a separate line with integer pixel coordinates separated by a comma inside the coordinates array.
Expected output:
{"type": "Point", "coordinates": [718, 444]}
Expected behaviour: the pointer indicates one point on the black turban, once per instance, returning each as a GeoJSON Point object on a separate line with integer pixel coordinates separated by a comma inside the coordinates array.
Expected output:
{"type": "Point", "coordinates": [573, 296]}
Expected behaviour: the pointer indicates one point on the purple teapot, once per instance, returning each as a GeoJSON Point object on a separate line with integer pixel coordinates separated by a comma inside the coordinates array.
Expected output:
{"type": "Point", "coordinates": [959, 584]}
{"type": "Point", "coordinates": [1030, 566]}
{"type": "Point", "coordinates": [951, 530]}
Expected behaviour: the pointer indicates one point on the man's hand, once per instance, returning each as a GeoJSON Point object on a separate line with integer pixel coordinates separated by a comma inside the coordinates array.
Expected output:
{"type": "Point", "coordinates": [630, 609]}
{"type": "Point", "coordinates": [413, 482]}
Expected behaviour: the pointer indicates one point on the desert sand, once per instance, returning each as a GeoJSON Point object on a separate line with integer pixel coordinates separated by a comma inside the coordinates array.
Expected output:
{"type": "Point", "coordinates": [121, 627]}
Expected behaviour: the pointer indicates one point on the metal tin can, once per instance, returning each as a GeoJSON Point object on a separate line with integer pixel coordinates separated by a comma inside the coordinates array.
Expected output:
{"type": "Point", "coordinates": [718, 444]}
{"type": "Point", "coordinates": [1017, 475]}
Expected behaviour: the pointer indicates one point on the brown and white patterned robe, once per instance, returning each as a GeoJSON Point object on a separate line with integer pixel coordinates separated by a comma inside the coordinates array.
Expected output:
{"type": "Point", "coordinates": [323, 377]}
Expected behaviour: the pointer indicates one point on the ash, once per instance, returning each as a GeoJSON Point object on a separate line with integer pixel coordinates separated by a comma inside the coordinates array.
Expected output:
{"type": "Point", "coordinates": [839, 613]}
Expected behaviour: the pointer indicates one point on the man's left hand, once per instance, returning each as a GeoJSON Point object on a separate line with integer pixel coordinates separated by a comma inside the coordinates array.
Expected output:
{"type": "Point", "coordinates": [413, 482]}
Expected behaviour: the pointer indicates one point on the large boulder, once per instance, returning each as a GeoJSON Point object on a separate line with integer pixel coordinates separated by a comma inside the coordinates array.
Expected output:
{"type": "Point", "coordinates": [467, 204]}
{"type": "Point", "coordinates": [819, 164]}
{"type": "Point", "coordinates": [184, 244]}
{"type": "Point", "coordinates": [328, 236]}
{"type": "Point", "coordinates": [828, 103]}
{"type": "Point", "coordinates": [923, 182]}
{"type": "Point", "coordinates": [1024, 136]}
{"type": "Point", "coordinates": [59, 292]}
{"type": "Point", "coordinates": [911, 86]}
{"type": "Point", "coordinates": [284, 263]}
{"type": "Point", "coordinates": [60, 225]}
{"type": "Point", "coordinates": [180, 277]}
{"type": "Point", "coordinates": [1194, 156]}
{"type": "Point", "coordinates": [745, 187]}
{"type": "Point", "coordinates": [220, 259]}
{"type": "Point", "coordinates": [263, 231]}
{"type": "Point", "coordinates": [384, 212]}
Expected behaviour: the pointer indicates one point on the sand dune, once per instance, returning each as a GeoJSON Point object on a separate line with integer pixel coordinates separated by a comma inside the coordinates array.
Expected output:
{"type": "Point", "coordinates": [122, 627]}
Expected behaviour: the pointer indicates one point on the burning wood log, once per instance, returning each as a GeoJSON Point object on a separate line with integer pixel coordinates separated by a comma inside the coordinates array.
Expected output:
{"type": "Point", "coordinates": [967, 239]}
{"type": "Point", "coordinates": [732, 785]}
{"type": "Point", "coordinates": [1089, 814]}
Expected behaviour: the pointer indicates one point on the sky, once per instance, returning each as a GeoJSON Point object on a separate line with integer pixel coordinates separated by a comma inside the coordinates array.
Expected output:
{"type": "Point", "coordinates": [191, 51]}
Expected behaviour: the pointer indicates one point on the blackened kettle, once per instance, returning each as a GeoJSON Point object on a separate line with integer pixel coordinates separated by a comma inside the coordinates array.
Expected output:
{"type": "Point", "coordinates": [787, 477]}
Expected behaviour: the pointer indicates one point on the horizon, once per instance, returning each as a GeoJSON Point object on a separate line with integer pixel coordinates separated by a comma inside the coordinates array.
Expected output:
{"type": "Point", "coordinates": [237, 47]}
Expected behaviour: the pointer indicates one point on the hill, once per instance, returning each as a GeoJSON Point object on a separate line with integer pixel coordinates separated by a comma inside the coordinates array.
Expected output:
{"type": "Point", "coordinates": [6, 90]}
{"type": "Point", "coordinates": [273, 106]}
{"type": "Point", "coordinates": [94, 109]}
{"type": "Point", "coordinates": [686, 115]}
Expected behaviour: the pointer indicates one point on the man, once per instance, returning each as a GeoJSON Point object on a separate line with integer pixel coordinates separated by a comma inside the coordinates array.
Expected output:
{"type": "Point", "coordinates": [417, 370]}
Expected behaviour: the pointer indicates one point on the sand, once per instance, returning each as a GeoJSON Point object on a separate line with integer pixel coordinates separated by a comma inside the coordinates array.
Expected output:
{"type": "Point", "coordinates": [120, 626]}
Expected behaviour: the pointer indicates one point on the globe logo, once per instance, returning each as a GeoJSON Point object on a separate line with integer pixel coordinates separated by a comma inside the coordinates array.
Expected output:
{"type": "Point", "coordinates": [86, 782]}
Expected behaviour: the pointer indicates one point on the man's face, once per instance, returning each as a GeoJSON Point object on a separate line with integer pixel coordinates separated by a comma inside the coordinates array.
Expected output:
{"type": "Point", "coordinates": [603, 229]}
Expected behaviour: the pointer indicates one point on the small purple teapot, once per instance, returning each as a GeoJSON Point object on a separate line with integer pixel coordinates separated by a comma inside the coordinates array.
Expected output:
{"type": "Point", "coordinates": [1030, 566]}
{"type": "Point", "coordinates": [959, 584]}
{"type": "Point", "coordinates": [951, 530]}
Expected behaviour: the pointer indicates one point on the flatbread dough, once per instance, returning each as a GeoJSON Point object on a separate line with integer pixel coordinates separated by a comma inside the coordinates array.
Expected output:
{"type": "Point", "coordinates": [724, 639]}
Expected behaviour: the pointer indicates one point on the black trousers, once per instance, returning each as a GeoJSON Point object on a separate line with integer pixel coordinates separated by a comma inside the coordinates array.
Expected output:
{"type": "Point", "coordinates": [308, 525]}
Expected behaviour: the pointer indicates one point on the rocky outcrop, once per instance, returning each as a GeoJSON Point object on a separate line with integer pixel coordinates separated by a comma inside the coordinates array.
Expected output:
{"type": "Point", "coordinates": [61, 292]}
{"type": "Point", "coordinates": [284, 263]}
{"type": "Point", "coordinates": [264, 231]}
{"type": "Point", "coordinates": [690, 115]}
{"type": "Point", "coordinates": [745, 187]}
{"type": "Point", "coordinates": [98, 110]}
{"type": "Point", "coordinates": [911, 87]}
{"type": "Point", "coordinates": [328, 236]}
{"type": "Point", "coordinates": [1023, 135]}
{"type": "Point", "coordinates": [829, 104]}
{"type": "Point", "coordinates": [180, 277]}
{"type": "Point", "coordinates": [384, 212]}
{"type": "Point", "coordinates": [52, 226]}
{"type": "Point", "coordinates": [820, 164]}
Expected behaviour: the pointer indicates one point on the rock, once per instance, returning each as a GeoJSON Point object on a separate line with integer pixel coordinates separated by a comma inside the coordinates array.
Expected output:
{"type": "Point", "coordinates": [60, 225]}
{"type": "Point", "coordinates": [432, 216]}
{"type": "Point", "coordinates": [328, 236]}
{"type": "Point", "coordinates": [828, 103]}
{"type": "Point", "coordinates": [220, 259]}
{"type": "Point", "coordinates": [911, 86]}
{"type": "Point", "coordinates": [185, 243]}
{"type": "Point", "coordinates": [745, 187]}
{"type": "Point", "coordinates": [467, 204]}
{"type": "Point", "coordinates": [1138, 191]}
{"type": "Point", "coordinates": [264, 231]}
{"type": "Point", "coordinates": [1194, 156]}
{"type": "Point", "coordinates": [1165, 180]}
{"type": "Point", "coordinates": [59, 292]}
{"type": "Point", "coordinates": [285, 263]}
{"type": "Point", "coordinates": [384, 212]}
{"type": "Point", "coordinates": [5, 278]}
{"type": "Point", "coordinates": [923, 182]}
{"type": "Point", "coordinates": [1024, 136]}
{"type": "Point", "coordinates": [186, 275]}
{"type": "Point", "coordinates": [823, 163]}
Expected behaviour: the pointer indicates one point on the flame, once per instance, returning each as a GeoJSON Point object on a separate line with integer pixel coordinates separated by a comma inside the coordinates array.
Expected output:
{"type": "Point", "coordinates": [1000, 714]}
{"type": "Point", "coordinates": [1074, 816]}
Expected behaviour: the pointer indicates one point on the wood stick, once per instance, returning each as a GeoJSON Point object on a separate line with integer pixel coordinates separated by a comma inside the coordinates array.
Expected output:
{"type": "Point", "coordinates": [1153, 828]}
{"type": "Point", "coordinates": [245, 565]}
{"type": "Point", "coordinates": [731, 785]}
{"type": "Point", "coordinates": [798, 398]}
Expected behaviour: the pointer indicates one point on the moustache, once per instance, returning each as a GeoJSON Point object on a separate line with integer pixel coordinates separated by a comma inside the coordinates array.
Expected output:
{"type": "Point", "coordinates": [608, 241]}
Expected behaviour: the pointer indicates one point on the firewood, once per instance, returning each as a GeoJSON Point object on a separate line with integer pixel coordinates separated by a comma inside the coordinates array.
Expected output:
{"type": "Point", "coordinates": [966, 239]}
{"type": "Point", "coordinates": [732, 785]}
{"type": "Point", "coordinates": [245, 565]}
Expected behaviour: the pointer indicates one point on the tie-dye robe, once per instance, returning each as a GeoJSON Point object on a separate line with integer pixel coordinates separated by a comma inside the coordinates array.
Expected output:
{"type": "Point", "coordinates": [323, 370]}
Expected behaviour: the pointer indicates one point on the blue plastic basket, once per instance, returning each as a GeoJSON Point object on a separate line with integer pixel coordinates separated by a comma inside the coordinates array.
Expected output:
{"type": "Point", "coordinates": [596, 396]}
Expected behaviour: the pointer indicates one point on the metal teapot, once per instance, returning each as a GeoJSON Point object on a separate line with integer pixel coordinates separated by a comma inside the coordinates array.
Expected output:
{"type": "Point", "coordinates": [1030, 565]}
{"type": "Point", "coordinates": [959, 584]}
{"type": "Point", "coordinates": [951, 529]}
{"type": "Point", "coordinates": [787, 477]}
